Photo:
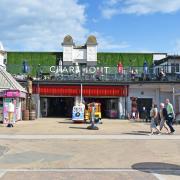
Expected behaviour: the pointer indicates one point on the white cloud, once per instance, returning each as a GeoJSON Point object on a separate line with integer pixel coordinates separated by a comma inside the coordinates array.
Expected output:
{"type": "Point", "coordinates": [41, 25]}
{"type": "Point", "coordinates": [109, 12]}
{"type": "Point", "coordinates": [107, 43]}
{"type": "Point", "coordinates": [139, 7]}
{"type": "Point", "coordinates": [112, 2]}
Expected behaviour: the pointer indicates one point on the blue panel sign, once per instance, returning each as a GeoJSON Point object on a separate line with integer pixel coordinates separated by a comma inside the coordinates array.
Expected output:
{"type": "Point", "coordinates": [78, 113]}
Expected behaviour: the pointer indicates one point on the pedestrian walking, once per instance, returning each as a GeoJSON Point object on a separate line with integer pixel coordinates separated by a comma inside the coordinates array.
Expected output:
{"type": "Point", "coordinates": [170, 115]}
{"type": "Point", "coordinates": [11, 109]}
{"type": "Point", "coordinates": [144, 114]}
{"type": "Point", "coordinates": [154, 116]}
{"type": "Point", "coordinates": [163, 118]}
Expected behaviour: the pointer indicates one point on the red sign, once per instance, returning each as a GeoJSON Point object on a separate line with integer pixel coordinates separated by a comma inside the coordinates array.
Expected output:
{"type": "Point", "coordinates": [75, 90]}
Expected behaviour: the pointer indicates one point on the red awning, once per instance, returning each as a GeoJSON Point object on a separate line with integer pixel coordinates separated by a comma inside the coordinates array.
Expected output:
{"type": "Point", "coordinates": [75, 90]}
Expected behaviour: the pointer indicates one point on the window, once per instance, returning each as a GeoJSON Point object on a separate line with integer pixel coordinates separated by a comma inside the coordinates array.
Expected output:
{"type": "Point", "coordinates": [166, 68]}
{"type": "Point", "coordinates": [177, 67]}
{"type": "Point", "coordinates": [173, 68]}
{"type": "Point", "coordinates": [5, 61]}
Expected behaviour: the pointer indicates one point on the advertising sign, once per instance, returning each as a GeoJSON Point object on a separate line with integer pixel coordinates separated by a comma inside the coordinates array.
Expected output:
{"type": "Point", "coordinates": [78, 113]}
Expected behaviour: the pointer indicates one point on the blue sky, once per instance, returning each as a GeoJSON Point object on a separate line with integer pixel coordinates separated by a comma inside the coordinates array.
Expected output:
{"type": "Point", "coordinates": [119, 25]}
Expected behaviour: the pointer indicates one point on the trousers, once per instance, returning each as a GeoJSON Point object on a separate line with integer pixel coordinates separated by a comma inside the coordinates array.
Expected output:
{"type": "Point", "coordinates": [169, 123]}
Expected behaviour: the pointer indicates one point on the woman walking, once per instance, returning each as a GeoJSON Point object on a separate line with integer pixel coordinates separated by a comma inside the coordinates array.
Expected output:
{"type": "Point", "coordinates": [163, 118]}
{"type": "Point", "coordinates": [154, 116]}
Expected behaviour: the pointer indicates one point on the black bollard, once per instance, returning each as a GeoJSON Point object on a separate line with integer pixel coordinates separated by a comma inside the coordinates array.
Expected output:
{"type": "Point", "coordinates": [92, 126]}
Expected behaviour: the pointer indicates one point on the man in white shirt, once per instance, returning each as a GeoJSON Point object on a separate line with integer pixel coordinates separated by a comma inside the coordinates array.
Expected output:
{"type": "Point", "coordinates": [11, 109]}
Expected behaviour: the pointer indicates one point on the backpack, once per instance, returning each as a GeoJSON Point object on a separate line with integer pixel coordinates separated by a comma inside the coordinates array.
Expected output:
{"type": "Point", "coordinates": [165, 114]}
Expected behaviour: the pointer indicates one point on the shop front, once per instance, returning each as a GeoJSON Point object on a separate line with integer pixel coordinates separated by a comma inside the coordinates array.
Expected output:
{"type": "Point", "coordinates": [10, 91]}
{"type": "Point", "coordinates": [5, 98]}
{"type": "Point", "coordinates": [58, 100]}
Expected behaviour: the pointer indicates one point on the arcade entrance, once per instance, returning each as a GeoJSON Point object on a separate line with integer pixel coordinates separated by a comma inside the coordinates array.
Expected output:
{"type": "Point", "coordinates": [62, 106]}
{"type": "Point", "coordinates": [57, 106]}
{"type": "Point", "coordinates": [144, 102]}
{"type": "Point", "coordinates": [109, 106]}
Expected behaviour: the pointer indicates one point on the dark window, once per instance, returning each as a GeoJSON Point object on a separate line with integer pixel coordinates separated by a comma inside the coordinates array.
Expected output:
{"type": "Point", "coordinates": [166, 68]}
{"type": "Point", "coordinates": [177, 67]}
{"type": "Point", "coordinates": [173, 68]}
{"type": "Point", "coordinates": [5, 61]}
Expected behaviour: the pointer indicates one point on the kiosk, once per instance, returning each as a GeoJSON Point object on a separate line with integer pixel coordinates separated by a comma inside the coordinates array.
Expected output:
{"type": "Point", "coordinates": [7, 96]}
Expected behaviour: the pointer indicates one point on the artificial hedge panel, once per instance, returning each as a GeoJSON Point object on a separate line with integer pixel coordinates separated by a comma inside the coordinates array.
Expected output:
{"type": "Point", "coordinates": [127, 59]}
{"type": "Point", "coordinates": [33, 59]}
{"type": "Point", "coordinates": [46, 59]}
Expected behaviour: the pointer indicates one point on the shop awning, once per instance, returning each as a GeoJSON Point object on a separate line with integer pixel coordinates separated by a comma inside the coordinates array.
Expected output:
{"type": "Point", "coordinates": [7, 82]}
{"type": "Point", "coordinates": [75, 90]}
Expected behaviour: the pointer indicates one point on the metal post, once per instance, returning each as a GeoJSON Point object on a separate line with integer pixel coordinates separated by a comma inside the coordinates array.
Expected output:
{"type": "Point", "coordinates": [174, 99]}
{"type": "Point", "coordinates": [38, 106]}
{"type": "Point", "coordinates": [81, 92]}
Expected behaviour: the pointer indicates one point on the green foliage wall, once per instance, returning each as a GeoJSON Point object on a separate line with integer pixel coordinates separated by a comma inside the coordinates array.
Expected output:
{"type": "Point", "coordinates": [127, 59]}
{"type": "Point", "coordinates": [46, 59]}
{"type": "Point", "coordinates": [15, 60]}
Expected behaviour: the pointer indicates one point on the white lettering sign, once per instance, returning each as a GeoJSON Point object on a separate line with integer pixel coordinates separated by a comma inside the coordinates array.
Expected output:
{"type": "Point", "coordinates": [76, 69]}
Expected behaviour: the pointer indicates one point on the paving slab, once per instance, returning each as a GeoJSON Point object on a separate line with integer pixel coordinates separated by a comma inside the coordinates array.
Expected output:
{"type": "Point", "coordinates": [59, 153]}
{"type": "Point", "coordinates": [78, 175]}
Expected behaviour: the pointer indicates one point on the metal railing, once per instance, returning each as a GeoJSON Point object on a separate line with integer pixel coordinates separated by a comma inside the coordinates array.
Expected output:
{"type": "Point", "coordinates": [93, 73]}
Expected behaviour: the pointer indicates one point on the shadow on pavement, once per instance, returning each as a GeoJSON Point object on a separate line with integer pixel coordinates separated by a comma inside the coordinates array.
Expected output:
{"type": "Point", "coordinates": [78, 128]}
{"type": "Point", "coordinates": [137, 133]}
{"type": "Point", "coordinates": [157, 167]}
{"type": "Point", "coordinates": [68, 122]}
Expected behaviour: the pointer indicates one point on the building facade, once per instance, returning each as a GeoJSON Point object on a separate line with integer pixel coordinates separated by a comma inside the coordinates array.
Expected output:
{"type": "Point", "coordinates": [80, 73]}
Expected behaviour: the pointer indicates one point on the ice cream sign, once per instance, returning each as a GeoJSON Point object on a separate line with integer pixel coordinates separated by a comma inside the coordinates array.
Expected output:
{"type": "Point", "coordinates": [12, 94]}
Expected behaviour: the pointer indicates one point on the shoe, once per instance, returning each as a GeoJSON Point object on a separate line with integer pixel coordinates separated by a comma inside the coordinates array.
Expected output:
{"type": "Point", "coordinates": [172, 132]}
{"type": "Point", "coordinates": [151, 134]}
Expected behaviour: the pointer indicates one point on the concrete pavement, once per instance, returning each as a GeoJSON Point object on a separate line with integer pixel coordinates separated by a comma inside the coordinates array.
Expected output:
{"type": "Point", "coordinates": [91, 137]}
{"type": "Point", "coordinates": [129, 159]}
{"type": "Point", "coordinates": [61, 126]}
{"type": "Point", "coordinates": [58, 149]}
{"type": "Point", "coordinates": [79, 175]}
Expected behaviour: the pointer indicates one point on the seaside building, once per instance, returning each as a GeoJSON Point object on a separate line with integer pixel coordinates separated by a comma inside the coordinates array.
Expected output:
{"type": "Point", "coordinates": [81, 73]}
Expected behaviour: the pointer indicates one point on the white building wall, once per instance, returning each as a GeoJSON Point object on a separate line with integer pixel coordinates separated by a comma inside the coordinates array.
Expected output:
{"type": "Point", "coordinates": [3, 56]}
{"type": "Point", "coordinates": [92, 54]}
{"type": "Point", "coordinates": [159, 56]}
{"type": "Point", "coordinates": [1, 59]}
{"type": "Point", "coordinates": [159, 93]}
{"type": "Point", "coordinates": [68, 53]}
{"type": "Point", "coordinates": [79, 54]}
{"type": "Point", "coordinates": [142, 93]}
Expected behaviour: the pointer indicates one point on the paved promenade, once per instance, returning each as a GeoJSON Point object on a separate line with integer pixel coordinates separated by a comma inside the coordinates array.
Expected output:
{"type": "Point", "coordinates": [58, 149]}
{"type": "Point", "coordinates": [61, 126]}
